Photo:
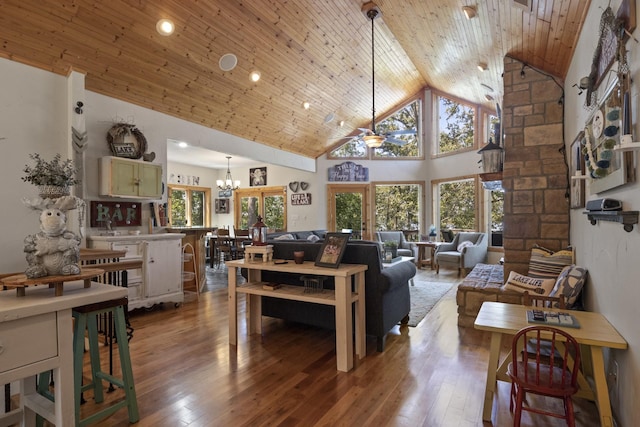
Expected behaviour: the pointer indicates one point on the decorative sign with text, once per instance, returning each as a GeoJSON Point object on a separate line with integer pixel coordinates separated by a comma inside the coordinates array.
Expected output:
{"type": "Point", "coordinates": [121, 214]}
{"type": "Point", "coordinates": [348, 171]}
{"type": "Point", "coordinates": [298, 199]}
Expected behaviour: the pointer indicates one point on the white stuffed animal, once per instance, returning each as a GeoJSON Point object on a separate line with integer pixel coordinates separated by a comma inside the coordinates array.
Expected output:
{"type": "Point", "coordinates": [54, 250]}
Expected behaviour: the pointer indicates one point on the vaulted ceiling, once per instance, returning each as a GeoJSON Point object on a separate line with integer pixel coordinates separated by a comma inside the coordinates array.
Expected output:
{"type": "Point", "coordinates": [315, 51]}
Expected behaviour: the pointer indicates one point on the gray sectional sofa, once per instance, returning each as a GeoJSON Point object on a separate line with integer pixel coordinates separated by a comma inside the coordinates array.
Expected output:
{"type": "Point", "coordinates": [386, 290]}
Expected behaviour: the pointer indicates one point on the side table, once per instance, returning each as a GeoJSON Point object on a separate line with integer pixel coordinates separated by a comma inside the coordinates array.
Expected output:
{"type": "Point", "coordinates": [421, 260]}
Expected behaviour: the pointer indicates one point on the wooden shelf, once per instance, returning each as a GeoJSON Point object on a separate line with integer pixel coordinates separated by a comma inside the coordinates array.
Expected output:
{"type": "Point", "coordinates": [491, 176]}
{"type": "Point", "coordinates": [626, 218]}
{"type": "Point", "coordinates": [296, 293]}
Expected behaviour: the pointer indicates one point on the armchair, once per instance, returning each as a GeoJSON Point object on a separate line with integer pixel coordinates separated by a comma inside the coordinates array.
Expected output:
{"type": "Point", "coordinates": [461, 255]}
{"type": "Point", "coordinates": [405, 248]}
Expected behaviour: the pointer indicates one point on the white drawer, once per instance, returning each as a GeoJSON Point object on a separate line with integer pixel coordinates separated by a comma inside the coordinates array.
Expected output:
{"type": "Point", "coordinates": [133, 249]}
{"type": "Point", "coordinates": [28, 340]}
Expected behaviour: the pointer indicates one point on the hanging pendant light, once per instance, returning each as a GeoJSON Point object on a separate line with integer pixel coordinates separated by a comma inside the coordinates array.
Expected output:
{"type": "Point", "coordinates": [373, 140]}
{"type": "Point", "coordinates": [228, 184]}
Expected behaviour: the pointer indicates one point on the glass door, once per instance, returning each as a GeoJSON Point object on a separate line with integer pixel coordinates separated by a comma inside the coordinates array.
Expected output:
{"type": "Point", "coordinates": [348, 207]}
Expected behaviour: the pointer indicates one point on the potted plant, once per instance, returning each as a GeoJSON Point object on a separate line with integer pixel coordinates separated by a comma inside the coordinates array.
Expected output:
{"type": "Point", "coordinates": [390, 249]}
{"type": "Point", "coordinates": [52, 177]}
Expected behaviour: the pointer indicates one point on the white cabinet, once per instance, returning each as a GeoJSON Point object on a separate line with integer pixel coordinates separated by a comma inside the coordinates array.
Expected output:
{"type": "Point", "coordinates": [160, 278]}
{"type": "Point", "coordinates": [120, 177]}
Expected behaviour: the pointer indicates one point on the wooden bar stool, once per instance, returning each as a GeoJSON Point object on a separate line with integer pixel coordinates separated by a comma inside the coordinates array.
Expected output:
{"type": "Point", "coordinates": [86, 319]}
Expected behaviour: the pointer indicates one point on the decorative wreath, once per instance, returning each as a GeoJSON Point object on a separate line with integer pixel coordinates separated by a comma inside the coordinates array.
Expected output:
{"type": "Point", "coordinates": [115, 138]}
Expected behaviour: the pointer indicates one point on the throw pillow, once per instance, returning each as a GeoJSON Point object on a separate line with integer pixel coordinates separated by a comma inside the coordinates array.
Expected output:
{"type": "Point", "coordinates": [546, 264]}
{"type": "Point", "coordinates": [313, 238]}
{"type": "Point", "coordinates": [570, 283]}
{"type": "Point", "coordinates": [520, 283]}
{"type": "Point", "coordinates": [287, 236]}
{"type": "Point", "coordinates": [464, 244]}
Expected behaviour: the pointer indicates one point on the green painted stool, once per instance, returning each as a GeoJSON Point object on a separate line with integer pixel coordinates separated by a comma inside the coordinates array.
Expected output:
{"type": "Point", "coordinates": [86, 319]}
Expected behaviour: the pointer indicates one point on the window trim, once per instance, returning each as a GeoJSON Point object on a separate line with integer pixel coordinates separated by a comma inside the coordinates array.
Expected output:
{"type": "Point", "coordinates": [261, 193]}
{"type": "Point", "coordinates": [435, 146]}
{"type": "Point", "coordinates": [479, 221]}
{"type": "Point", "coordinates": [189, 188]}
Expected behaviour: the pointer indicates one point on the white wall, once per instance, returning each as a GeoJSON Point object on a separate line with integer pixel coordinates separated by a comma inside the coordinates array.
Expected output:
{"type": "Point", "coordinates": [609, 253]}
{"type": "Point", "coordinates": [33, 119]}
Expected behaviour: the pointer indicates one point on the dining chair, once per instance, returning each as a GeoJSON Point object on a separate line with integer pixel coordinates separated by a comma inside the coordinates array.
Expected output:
{"type": "Point", "coordinates": [224, 245]}
{"type": "Point", "coordinates": [241, 238]}
{"type": "Point", "coordinates": [540, 301]}
{"type": "Point", "coordinates": [530, 374]}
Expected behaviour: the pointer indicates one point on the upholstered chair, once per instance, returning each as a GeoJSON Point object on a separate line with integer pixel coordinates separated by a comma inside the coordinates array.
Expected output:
{"type": "Point", "coordinates": [465, 251]}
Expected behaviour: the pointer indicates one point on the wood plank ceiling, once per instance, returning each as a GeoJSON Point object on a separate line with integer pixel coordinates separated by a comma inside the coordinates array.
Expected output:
{"type": "Point", "coordinates": [315, 51]}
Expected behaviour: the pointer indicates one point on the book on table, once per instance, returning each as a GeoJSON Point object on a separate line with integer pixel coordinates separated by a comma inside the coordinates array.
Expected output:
{"type": "Point", "coordinates": [552, 318]}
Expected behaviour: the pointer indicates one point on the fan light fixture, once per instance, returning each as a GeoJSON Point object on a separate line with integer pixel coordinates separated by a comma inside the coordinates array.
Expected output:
{"type": "Point", "coordinates": [228, 183]}
{"type": "Point", "coordinates": [469, 11]}
{"type": "Point", "coordinates": [373, 140]}
{"type": "Point", "coordinates": [165, 27]}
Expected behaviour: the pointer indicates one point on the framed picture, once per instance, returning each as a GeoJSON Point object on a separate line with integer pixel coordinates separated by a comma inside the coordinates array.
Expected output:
{"type": "Point", "coordinates": [576, 163]}
{"type": "Point", "coordinates": [257, 176]}
{"type": "Point", "coordinates": [332, 250]}
{"type": "Point", "coordinates": [606, 167]}
{"type": "Point", "coordinates": [222, 206]}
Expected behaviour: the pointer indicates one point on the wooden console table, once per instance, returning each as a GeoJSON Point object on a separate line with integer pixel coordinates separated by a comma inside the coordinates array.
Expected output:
{"type": "Point", "coordinates": [36, 335]}
{"type": "Point", "coordinates": [342, 298]}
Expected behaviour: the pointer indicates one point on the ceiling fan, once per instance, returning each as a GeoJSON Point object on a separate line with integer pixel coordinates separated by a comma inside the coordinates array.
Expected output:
{"type": "Point", "coordinates": [370, 136]}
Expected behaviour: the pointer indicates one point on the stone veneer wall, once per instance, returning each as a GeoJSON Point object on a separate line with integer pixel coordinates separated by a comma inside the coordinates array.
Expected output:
{"type": "Point", "coordinates": [536, 207]}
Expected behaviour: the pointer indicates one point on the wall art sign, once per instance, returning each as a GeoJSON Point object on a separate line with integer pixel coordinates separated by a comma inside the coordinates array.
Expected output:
{"type": "Point", "coordinates": [577, 170]}
{"type": "Point", "coordinates": [121, 214]}
{"type": "Point", "coordinates": [606, 167]}
{"type": "Point", "coordinates": [348, 171]}
{"type": "Point", "coordinates": [222, 206]}
{"type": "Point", "coordinates": [299, 199]}
{"type": "Point", "coordinates": [184, 179]}
{"type": "Point", "coordinates": [257, 176]}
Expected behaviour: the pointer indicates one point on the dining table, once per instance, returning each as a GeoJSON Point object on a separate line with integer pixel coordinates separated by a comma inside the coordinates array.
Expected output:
{"type": "Point", "coordinates": [594, 333]}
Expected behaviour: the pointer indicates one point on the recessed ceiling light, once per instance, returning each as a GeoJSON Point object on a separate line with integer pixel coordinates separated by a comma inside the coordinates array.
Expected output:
{"type": "Point", "coordinates": [165, 27]}
{"type": "Point", "coordinates": [341, 123]}
{"type": "Point", "coordinates": [482, 66]}
{"type": "Point", "coordinates": [469, 11]}
{"type": "Point", "coordinates": [306, 105]}
{"type": "Point", "coordinates": [228, 62]}
{"type": "Point", "coordinates": [254, 76]}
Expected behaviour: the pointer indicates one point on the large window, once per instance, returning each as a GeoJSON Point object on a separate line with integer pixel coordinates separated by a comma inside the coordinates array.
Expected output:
{"type": "Point", "coordinates": [454, 125]}
{"type": "Point", "coordinates": [268, 202]}
{"type": "Point", "coordinates": [403, 130]}
{"type": "Point", "coordinates": [496, 215]}
{"type": "Point", "coordinates": [456, 204]}
{"type": "Point", "coordinates": [397, 206]}
{"type": "Point", "coordinates": [189, 206]}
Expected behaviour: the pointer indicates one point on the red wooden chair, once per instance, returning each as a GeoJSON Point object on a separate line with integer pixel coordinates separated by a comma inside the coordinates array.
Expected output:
{"type": "Point", "coordinates": [535, 373]}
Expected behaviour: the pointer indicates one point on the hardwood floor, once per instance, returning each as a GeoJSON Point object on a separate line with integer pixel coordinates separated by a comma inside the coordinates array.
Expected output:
{"type": "Point", "coordinates": [186, 374]}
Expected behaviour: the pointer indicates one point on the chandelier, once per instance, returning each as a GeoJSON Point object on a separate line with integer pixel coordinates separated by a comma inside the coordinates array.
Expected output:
{"type": "Point", "coordinates": [228, 184]}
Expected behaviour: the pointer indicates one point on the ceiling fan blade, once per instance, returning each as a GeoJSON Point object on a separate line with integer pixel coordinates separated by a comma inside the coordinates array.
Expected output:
{"type": "Point", "coordinates": [395, 141]}
{"type": "Point", "coordinates": [401, 132]}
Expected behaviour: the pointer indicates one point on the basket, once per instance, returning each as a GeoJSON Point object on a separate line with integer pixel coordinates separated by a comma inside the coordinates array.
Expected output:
{"type": "Point", "coordinates": [52, 191]}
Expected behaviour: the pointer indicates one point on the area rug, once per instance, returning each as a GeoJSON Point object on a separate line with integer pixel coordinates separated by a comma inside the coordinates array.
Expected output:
{"type": "Point", "coordinates": [424, 296]}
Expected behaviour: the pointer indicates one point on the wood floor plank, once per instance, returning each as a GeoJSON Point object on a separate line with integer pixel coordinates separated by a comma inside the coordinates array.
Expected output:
{"type": "Point", "coordinates": [186, 374]}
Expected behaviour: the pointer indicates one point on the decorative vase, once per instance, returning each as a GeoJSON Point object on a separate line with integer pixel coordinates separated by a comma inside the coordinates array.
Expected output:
{"type": "Point", "coordinates": [52, 191]}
